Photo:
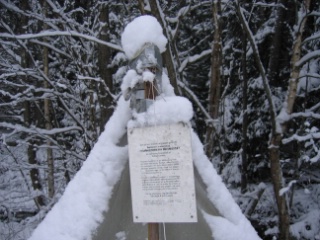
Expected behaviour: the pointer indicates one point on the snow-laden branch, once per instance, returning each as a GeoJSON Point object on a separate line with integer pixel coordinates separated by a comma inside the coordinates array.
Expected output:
{"type": "Point", "coordinates": [286, 189]}
{"type": "Point", "coordinates": [51, 47]}
{"type": "Point", "coordinates": [308, 57]}
{"type": "Point", "coordinates": [305, 115]}
{"type": "Point", "coordinates": [267, 5]}
{"type": "Point", "coordinates": [9, 51]}
{"type": "Point", "coordinates": [181, 13]}
{"type": "Point", "coordinates": [194, 58]}
{"type": "Point", "coordinates": [74, 25]}
{"type": "Point", "coordinates": [50, 33]}
{"type": "Point", "coordinates": [25, 72]}
{"type": "Point", "coordinates": [35, 130]}
{"type": "Point", "coordinates": [29, 90]}
{"type": "Point", "coordinates": [64, 105]}
{"type": "Point", "coordinates": [314, 107]}
{"type": "Point", "coordinates": [186, 9]}
{"type": "Point", "coordinates": [314, 14]}
{"type": "Point", "coordinates": [99, 80]}
{"type": "Point", "coordinates": [315, 158]}
{"type": "Point", "coordinates": [28, 14]}
{"type": "Point", "coordinates": [311, 38]}
{"type": "Point", "coordinates": [299, 138]}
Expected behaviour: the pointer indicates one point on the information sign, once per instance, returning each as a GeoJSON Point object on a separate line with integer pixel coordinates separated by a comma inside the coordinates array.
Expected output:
{"type": "Point", "coordinates": [161, 174]}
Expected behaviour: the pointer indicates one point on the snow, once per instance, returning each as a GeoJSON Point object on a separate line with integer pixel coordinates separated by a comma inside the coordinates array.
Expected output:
{"type": "Point", "coordinates": [234, 222]}
{"type": "Point", "coordinates": [130, 80]}
{"type": "Point", "coordinates": [80, 210]}
{"type": "Point", "coordinates": [49, 33]}
{"type": "Point", "coordinates": [121, 236]}
{"type": "Point", "coordinates": [35, 130]}
{"type": "Point", "coordinates": [308, 57]}
{"type": "Point", "coordinates": [194, 58]}
{"type": "Point", "coordinates": [287, 189]}
{"type": "Point", "coordinates": [142, 30]}
{"type": "Point", "coordinates": [307, 227]}
{"type": "Point", "coordinates": [226, 230]}
{"type": "Point", "coordinates": [165, 110]}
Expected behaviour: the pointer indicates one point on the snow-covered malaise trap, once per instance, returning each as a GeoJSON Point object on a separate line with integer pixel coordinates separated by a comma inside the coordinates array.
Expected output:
{"type": "Point", "coordinates": [147, 166]}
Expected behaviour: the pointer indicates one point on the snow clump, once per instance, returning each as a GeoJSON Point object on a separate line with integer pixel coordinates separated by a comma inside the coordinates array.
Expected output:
{"type": "Point", "coordinates": [142, 30]}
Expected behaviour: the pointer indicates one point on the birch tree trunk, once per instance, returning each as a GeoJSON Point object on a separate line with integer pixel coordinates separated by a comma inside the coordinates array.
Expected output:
{"type": "Point", "coordinates": [296, 55]}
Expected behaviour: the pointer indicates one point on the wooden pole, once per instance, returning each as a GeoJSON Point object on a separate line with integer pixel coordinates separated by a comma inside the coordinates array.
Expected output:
{"type": "Point", "coordinates": [153, 231]}
{"type": "Point", "coordinates": [150, 92]}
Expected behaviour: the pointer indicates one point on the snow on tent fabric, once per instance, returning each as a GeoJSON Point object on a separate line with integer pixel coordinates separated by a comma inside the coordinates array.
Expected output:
{"type": "Point", "coordinates": [97, 202]}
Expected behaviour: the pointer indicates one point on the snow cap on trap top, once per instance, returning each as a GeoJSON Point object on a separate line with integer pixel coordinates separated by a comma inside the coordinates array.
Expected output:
{"type": "Point", "coordinates": [142, 30]}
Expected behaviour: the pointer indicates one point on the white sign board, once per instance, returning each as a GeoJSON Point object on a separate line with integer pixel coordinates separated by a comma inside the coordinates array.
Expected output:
{"type": "Point", "coordinates": [161, 174]}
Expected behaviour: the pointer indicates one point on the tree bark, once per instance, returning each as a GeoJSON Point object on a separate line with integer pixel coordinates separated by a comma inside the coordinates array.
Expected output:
{"type": "Point", "coordinates": [141, 6]}
{"type": "Point", "coordinates": [277, 181]}
{"type": "Point", "coordinates": [296, 55]}
{"type": "Point", "coordinates": [244, 166]}
{"type": "Point", "coordinates": [279, 39]}
{"type": "Point", "coordinates": [104, 58]}
{"type": "Point", "coordinates": [47, 115]}
{"type": "Point", "coordinates": [215, 80]}
{"type": "Point", "coordinates": [216, 62]}
{"type": "Point", "coordinates": [31, 152]}
{"type": "Point", "coordinates": [275, 140]}
{"type": "Point", "coordinates": [32, 160]}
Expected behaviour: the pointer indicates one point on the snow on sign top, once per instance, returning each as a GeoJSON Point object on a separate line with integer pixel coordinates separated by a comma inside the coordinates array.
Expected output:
{"type": "Point", "coordinates": [142, 30]}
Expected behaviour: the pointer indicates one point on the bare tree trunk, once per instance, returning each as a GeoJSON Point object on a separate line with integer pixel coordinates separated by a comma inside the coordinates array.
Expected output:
{"type": "Point", "coordinates": [32, 160]}
{"type": "Point", "coordinates": [278, 37]}
{"type": "Point", "coordinates": [277, 181]}
{"type": "Point", "coordinates": [215, 81]}
{"type": "Point", "coordinates": [244, 166]}
{"type": "Point", "coordinates": [47, 106]}
{"type": "Point", "coordinates": [48, 126]}
{"type": "Point", "coordinates": [216, 62]}
{"type": "Point", "coordinates": [31, 152]}
{"type": "Point", "coordinates": [275, 141]}
{"type": "Point", "coordinates": [167, 55]}
{"type": "Point", "coordinates": [104, 59]}
{"type": "Point", "coordinates": [276, 138]}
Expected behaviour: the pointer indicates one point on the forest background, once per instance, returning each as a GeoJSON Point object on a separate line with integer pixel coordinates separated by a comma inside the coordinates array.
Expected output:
{"type": "Point", "coordinates": [250, 68]}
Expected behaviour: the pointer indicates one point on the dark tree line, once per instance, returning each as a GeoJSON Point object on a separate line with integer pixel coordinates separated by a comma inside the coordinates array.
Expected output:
{"type": "Point", "coordinates": [250, 68]}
